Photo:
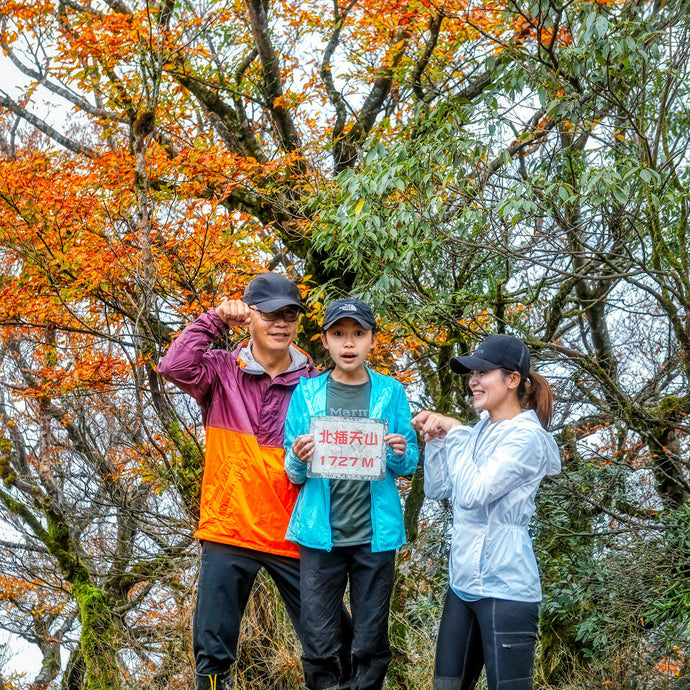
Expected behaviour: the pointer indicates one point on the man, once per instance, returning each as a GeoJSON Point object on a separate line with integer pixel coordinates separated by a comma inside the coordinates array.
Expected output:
{"type": "Point", "coordinates": [246, 498]}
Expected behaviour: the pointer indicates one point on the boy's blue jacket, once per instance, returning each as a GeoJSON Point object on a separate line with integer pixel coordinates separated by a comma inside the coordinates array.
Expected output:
{"type": "Point", "coordinates": [310, 523]}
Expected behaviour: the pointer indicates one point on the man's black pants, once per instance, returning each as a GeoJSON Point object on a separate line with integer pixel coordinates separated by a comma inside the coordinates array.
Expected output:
{"type": "Point", "coordinates": [495, 633]}
{"type": "Point", "coordinates": [324, 578]}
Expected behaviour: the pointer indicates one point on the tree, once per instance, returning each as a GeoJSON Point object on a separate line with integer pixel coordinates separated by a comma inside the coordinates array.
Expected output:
{"type": "Point", "coordinates": [88, 456]}
{"type": "Point", "coordinates": [192, 146]}
{"type": "Point", "coordinates": [554, 207]}
{"type": "Point", "coordinates": [492, 166]}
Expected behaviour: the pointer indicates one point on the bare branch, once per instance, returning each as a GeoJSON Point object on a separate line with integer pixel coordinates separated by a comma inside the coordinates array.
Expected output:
{"type": "Point", "coordinates": [345, 148]}
{"type": "Point", "coordinates": [416, 78]}
{"type": "Point", "coordinates": [41, 125]}
{"type": "Point", "coordinates": [287, 133]}
{"type": "Point", "coordinates": [59, 90]}
{"type": "Point", "coordinates": [334, 96]}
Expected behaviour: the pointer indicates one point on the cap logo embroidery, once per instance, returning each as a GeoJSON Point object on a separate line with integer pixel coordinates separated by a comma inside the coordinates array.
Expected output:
{"type": "Point", "coordinates": [348, 307]}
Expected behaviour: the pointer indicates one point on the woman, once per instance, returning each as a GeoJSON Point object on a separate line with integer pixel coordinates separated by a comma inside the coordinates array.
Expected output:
{"type": "Point", "coordinates": [492, 472]}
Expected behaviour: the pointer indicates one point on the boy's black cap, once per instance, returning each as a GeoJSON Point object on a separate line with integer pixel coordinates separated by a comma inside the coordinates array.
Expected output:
{"type": "Point", "coordinates": [496, 352]}
{"type": "Point", "coordinates": [271, 291]}
{"type": "Point", "coordinates": [352, 308]}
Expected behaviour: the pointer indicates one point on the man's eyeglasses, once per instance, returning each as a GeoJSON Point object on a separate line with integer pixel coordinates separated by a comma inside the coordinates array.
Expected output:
{"type": "Point", "coordinates": [288, 314]}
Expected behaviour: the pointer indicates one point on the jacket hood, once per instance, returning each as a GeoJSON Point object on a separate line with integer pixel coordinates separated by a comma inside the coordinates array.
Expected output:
{"type": "Point", "coordinates": [245, 358]}
{"type": "Point", "coordinates": [553, 455]}
{"type": "Point", "coordinates": [528, 419]}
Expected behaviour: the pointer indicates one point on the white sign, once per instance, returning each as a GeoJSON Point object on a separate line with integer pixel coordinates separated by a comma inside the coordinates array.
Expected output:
{"type": "Point", "coordinates": [348, 448]}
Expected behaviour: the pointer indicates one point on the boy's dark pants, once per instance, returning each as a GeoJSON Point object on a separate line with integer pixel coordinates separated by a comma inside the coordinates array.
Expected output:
{"type": "Point", "coordinates": [225, 582]}
{"type": "Point", "coordinates": [323, 579]}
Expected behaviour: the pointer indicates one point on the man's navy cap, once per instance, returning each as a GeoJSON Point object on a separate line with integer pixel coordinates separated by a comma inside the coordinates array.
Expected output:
{"type": "Point", "coordinates": [496, 352]}
{"type": "Point", "coordinates": [352, 308]}
{"type": "Point", "coordinates": [271, 291]}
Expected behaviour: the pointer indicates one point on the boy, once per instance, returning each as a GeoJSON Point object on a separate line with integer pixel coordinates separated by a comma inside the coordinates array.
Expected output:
{"type": "Point", "coordinates": [347, 528]}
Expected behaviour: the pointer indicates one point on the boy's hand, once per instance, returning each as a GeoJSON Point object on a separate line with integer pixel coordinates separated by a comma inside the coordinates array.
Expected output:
{"type": "Point", "coordinates": [234, 312]}
{"type": "Point", "coordinates": [397, 443]}
{"type": "Point", "coordinates": [303, 447]}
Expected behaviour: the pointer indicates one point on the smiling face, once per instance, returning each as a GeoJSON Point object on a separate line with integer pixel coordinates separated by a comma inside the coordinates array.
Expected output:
{"type": "Point", "coordinates": [271, 339]}
{"type": "Point", "coordinates": [496, 392]}
{"type": "Point", "coordinates": [348, 343]}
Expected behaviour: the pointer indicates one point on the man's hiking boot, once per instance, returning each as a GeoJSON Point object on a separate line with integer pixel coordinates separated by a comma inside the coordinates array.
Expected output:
{"type": "Point", "coordinates": [218, 681]}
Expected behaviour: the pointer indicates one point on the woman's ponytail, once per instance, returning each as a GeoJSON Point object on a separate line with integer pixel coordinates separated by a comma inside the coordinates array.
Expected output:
{"type": "Point", "coordinates": [537, 396]}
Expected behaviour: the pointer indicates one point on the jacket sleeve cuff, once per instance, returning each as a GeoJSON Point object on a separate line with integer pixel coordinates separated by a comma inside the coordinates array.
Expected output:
{"type": "Point", "coordinates": [221, 327]}
{"type": "Point", "coordinates": [457, 430]}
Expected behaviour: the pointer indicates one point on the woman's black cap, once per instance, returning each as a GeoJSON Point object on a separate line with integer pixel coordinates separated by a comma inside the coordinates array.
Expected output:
{"type": "Point", "coordinates": [496, 352]}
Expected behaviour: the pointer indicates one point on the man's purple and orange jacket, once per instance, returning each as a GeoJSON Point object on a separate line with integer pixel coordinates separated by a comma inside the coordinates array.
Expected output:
{"type": "Point", "coordinates": [246, 497]}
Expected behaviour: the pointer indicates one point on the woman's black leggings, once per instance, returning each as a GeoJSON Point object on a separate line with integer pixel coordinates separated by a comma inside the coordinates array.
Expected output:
{"type": "Point", "coordinates": [495, 633]}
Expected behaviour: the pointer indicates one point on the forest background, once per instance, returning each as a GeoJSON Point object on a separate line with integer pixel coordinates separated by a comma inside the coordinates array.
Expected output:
{"type": "Point", "coordinates": [466, 166]}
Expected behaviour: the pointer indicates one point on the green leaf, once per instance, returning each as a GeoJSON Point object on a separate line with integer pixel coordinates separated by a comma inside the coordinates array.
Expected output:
{"type": "Point", "coordinates": [602, 26]}
{"type": "Point", "coordinates": [621, 195]}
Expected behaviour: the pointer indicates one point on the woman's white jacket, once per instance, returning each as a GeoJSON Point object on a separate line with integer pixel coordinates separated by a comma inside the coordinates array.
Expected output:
{"type": "Point", "coordinates": [492, 471]}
